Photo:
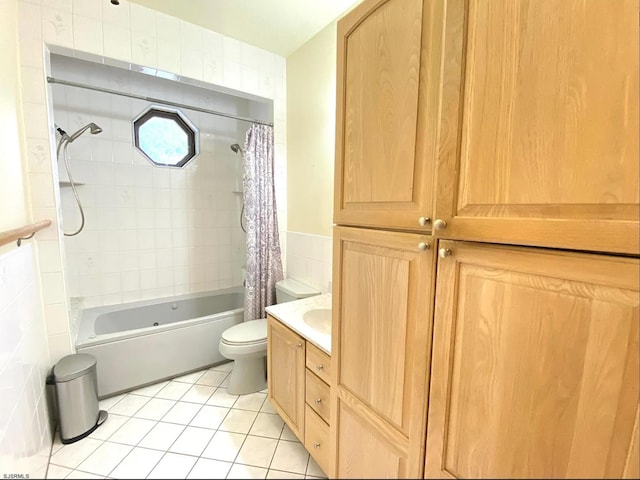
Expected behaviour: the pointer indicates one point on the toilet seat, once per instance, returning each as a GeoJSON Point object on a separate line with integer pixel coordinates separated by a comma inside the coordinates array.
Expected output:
{"type": "Point", "coordinates": [253, 332]}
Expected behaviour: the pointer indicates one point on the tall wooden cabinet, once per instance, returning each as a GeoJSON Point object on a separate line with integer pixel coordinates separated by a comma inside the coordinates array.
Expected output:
{"type": "Point", "coordinates": [535, 365]}
{"type": "Point", "coordinates": [507, 122]}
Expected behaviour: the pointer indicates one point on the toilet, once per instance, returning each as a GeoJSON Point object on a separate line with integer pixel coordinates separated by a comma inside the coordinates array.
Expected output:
{"type": "Point", "coordinates": [246, 343]}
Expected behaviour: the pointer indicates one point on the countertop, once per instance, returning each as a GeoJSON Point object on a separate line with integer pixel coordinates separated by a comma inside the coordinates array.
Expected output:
{"type": "Point", "coordinates": [291, 314]}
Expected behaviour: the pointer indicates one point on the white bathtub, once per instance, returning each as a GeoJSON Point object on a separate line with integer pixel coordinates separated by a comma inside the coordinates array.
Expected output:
{"type": "Point", "coordinates": [147, 341]}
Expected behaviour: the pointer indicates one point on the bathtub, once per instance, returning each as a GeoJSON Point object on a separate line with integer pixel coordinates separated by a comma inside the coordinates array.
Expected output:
{"type": "Point", "coordinates": [151, 340]}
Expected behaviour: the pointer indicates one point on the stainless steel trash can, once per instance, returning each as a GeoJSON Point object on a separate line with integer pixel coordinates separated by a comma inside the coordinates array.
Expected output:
{"type": "Point", "coordinates": [76, 388]}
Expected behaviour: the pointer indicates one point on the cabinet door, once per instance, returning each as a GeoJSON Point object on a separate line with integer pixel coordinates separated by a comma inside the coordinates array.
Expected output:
{"type": "Point", "coordinates": [538, 143]}
{"type": "Point", "coordinates": [535, 365]}
{"type": "Point", "coordinates": [381, 338]}
{"type": "Point", "coordinates": [285, 374]}
{"type": "Point", "coordinates": [386, 119]}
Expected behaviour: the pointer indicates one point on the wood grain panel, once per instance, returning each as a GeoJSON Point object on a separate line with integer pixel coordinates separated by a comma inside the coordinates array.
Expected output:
{"type": "Point", "coordinates": [540, 120]}
{"type": "Point", "coordinates": [386, 115]}
{"type": "Point", "coordinates": [535, 364]}
{"type": "Point", "coordinates": [381, 341]}
{"type": "Point", "coordinates": [286, 374]}
{"type": "Point", "coordinates": [363, 452]}
{"type": "Point", "coordinates": [316, 438]}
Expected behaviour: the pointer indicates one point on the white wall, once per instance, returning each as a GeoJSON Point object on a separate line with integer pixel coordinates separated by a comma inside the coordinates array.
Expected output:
{"type": "Point", "coordinates": [132, 34]}
{"type": "Point", "coordinates": [25, 437]}
{"type": "Point", "coordinates": [311, 101]}
{"type": "Point", "coordinates": [149, 231]}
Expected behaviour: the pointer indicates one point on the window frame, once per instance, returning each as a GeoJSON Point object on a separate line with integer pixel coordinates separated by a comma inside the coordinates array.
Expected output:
{"type": "Point", "coordinates": [193, 135]}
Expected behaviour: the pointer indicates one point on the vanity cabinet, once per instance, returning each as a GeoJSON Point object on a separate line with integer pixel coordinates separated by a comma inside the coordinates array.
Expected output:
{"type": "Point", "coordinates": [286, 374]}
{"type": "Point", "coordinates": [380, 350]}
{"type": "Point", "coordinates": [298, 377]}
{"type": "Point", "coordinates": [535, 365]}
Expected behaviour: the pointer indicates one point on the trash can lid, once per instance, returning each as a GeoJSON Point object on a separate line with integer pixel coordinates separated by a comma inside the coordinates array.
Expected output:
{"type": "Point", "coordinates": [73, 366]}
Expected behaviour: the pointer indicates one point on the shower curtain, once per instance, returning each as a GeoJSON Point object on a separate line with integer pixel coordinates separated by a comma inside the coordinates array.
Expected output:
{"type": "Point", "coordinates": [264, 262]}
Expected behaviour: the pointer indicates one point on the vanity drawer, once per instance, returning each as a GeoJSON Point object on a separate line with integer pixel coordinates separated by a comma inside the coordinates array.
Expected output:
{"type": "Point", "coordinates": [317, 395]}
{"type": "Point", "coordinates": [319, 362]}
{"type": "Point", "coordinates": [316, 438]}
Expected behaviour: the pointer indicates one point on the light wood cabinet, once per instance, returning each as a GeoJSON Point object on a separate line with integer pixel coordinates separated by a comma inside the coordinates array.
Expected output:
{"type": "Point", "coordinates": [538, 141]}
{"type": "Point", "coordinates": [285, 374]}
{"type": "Point", "coordinates": [387, 98]}
{"type": "Point", "coordinates": [298, 377]}
{"type": "Point", "coordinates": [381, 336]}
{"type": "Point", "coordinates": [535, 365]}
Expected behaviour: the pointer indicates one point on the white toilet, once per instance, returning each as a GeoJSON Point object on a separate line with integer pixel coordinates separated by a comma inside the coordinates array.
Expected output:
{"type": "Point", "coordinates": [246, 343]}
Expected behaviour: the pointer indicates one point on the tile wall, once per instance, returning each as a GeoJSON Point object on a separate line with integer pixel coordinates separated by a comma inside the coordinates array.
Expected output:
{"type": "Point", "coordinates": [309, 259]}
{"type": "Point", "coordinates": [25, 435]}
{"type": "Point", "coordinates": [136, 35]}
{"type": "Point", "coordinates": [149, 231]}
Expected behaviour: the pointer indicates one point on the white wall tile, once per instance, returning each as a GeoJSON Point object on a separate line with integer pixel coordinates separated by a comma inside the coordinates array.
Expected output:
{"type": "Point", "coordinates": [116, 42]}
{"type": "Point", "coordinates": [88, 33]}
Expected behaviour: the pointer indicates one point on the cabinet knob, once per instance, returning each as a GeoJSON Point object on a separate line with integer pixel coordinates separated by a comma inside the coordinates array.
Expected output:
{"type": "Point", "coordinates": [318, 401]}
{"type": "Point", "coordinates": [316, 445]}
{"type": "Point", "coordinates": [298, 345]}
{"type": "Point", "coordinates": [444, 252]}
{"type": "Point", "coordinates": [423, 246]}
{"type": "Point", "coordinates": [439, 224]}
{"type": "Point", "coordinates": [320, 367]}
{"type": "Point", "coordinates": [424, 221]}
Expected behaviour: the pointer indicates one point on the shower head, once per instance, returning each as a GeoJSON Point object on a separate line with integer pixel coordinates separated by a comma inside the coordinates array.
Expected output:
{"type": "Point", "coordinates": [92, 127]}
{"type": "Point", "coordinates": [236, 148]}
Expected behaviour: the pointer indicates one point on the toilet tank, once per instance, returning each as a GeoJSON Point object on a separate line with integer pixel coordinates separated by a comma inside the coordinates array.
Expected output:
{"type": "Point", "coordinates": [288, 290]}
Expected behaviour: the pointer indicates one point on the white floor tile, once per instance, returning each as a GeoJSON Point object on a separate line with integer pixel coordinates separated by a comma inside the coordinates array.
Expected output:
{"type": "Point", "coordinates": [257, 451]}
{"type": "Point", "coordinates": [198, 394]}
{"type": "Point", "coordinates": [105, 458]}
{"type": "Point", "coordinates": [137, 464]}
{"type": "Point", "coordinates": [82, 475]}
{"type": "Point", "coordinates": [150, 390]}
{"type": "Point", "coordinates": [111, 424]}
{"type": "Point", "coordinates": [212, 378]}
{"type": "Point", "coordinates": [223, 367]}
{"type": "Point", "coordinates": [287, 434]}
{"type": "Point", "coordinates": [311, 476]}
{"type": "Point", "coordinates": [245, 471]}
{"type": "Point", "coordinates": [290, 457]}
{"type": "Point", "coordinates": [221, 398]}
{"type": "Point", "coordinates": [209, 417]}
{"type": "Point", "coordinates": [224, 446]}
{"type": "Point", "coordinates": [173, 465]}
{"type": "Point", "coordinates": [56, 471]}
{"type": "Point", "coordinates": [192, 441]}
{"type": "Point", "coordinates": [162, 436]}
{"type": "Point", "coordinates": [267, 407]}
{"type": "Point", "coordinates": [207, 468]}
{"type": "Point", "coordinates": [57, 444]}
{"type": "Point", "coordinates": [108, 403]}
{"type": "Point", "coordinates": [314, 470]}
{"type": "Point", "coordinates": [133, 431]}
{"type": "Point", "coordinates": [189, 377]}
{"type": "Point", "coordinates": [155, 409]}
{"type": "Point", "coordinates": [173, 390]}
{"type": "Point", "coordinates": [281, 474]}
{"type": "Point", "coordinates": [182, 412]}
{"type": "Point", "coordinates": [225, 382]}
{"type": "Point", "coordinates": [129, 405]}
{"type": "Point", "coordinates": [251, 401]}
{"type": "Point", "coordinates": [238, 421]}
{"type": "Point", "coordinates": [267, 425]}
{"type": "Point", "coordinates": [74, 454]}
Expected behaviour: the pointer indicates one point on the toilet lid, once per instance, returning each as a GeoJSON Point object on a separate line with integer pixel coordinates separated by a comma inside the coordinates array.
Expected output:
{"type": "Point", "coordinates": [253, 331]}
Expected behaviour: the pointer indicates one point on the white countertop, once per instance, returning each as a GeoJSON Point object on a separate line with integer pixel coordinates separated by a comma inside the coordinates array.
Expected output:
{"type": "Point", "coordinates": [291, 314]}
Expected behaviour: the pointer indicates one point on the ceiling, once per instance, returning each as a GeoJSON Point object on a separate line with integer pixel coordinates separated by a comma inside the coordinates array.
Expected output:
{"type": "Point", "coordinates": [280, 26]}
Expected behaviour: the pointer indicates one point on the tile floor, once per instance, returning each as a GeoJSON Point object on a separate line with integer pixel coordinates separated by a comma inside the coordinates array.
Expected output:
{"type": "Point", "coordinates": [189, 427]}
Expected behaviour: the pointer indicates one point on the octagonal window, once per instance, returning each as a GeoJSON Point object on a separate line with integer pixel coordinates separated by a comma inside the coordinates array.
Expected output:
{"type": "Point", "coordinates": [165, 136]}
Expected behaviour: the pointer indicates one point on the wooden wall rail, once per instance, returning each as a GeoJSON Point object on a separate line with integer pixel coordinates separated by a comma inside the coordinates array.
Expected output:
{"type": "Point", "coordinates": [22, 233]}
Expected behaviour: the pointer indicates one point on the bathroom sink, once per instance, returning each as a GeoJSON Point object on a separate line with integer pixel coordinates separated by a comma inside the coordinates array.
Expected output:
{"type": "Point", "coordinates": [319, 319]}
